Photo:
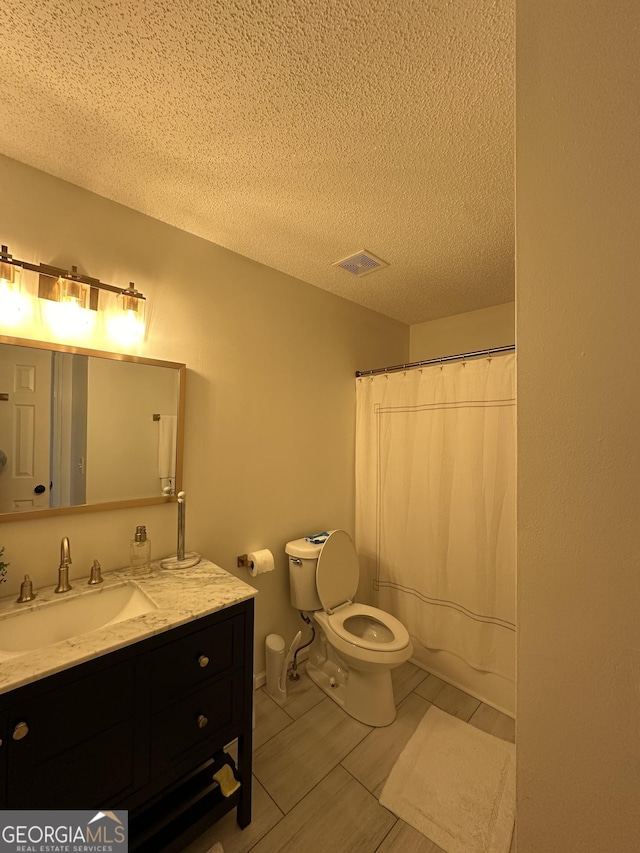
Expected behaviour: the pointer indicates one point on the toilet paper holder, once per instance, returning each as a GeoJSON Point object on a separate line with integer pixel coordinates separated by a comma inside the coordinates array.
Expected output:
{"type": "Point", "coordinates": [257, 562]}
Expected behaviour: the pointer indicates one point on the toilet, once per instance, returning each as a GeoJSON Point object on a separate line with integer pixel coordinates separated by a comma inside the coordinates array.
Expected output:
{"type": "Point", "coordinates": [355, 646]}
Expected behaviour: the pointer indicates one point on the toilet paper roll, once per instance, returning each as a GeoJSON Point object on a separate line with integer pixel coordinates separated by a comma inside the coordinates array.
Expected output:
{"type": "Point", "coordinates": [260, 562]}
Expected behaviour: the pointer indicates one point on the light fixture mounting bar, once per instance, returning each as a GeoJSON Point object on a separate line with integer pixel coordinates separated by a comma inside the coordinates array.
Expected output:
{"type": "Point", "coordinates": [72, 275]}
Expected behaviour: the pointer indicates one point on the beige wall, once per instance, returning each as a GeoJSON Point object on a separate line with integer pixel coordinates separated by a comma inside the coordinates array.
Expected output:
{"type": "Point", "coordinates": [578, 303]}
{"type": "Point", "coordinates": [270, 390]}
{"type": "Point", "coordinates": [474, 330]}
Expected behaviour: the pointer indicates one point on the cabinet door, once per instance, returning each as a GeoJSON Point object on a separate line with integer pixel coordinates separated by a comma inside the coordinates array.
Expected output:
{"type": "Point", "coordinates": [3, 759]}
{"type": "Point", "coordinates": [73, 747]}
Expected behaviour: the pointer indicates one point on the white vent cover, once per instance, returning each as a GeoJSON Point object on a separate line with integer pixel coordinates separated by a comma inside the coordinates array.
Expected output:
{"type": "Point", "coordinates": [361, 263]}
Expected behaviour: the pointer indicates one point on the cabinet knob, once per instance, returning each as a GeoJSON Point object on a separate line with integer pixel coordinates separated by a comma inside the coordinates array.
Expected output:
{"type": "Point", "coordinates": [202, 721]}
{"type": "Point", "coordinates": [21, 730]}
{"type": "Point", "coordinates": [203, 660]}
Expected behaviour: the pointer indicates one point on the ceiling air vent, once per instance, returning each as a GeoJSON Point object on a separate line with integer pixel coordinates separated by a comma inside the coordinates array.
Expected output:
{"type": "Point", "coordinates": [361, 263]}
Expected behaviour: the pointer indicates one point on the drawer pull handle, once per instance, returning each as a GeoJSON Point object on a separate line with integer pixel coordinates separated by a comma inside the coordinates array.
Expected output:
{"type": "Point", "coordinates": [202, 721]}
{"type": "Point", "coordinates": [203, 660]}
{"type": "Point", "coordinates": [21, 730]}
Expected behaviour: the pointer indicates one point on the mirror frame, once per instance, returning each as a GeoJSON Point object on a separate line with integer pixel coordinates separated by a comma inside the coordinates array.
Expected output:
{"type": "Point", "coordinates": [132, 502]}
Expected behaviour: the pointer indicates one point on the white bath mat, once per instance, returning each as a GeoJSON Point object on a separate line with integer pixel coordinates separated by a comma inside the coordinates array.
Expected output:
{"type": "Point", "coordinates": [456, 785]}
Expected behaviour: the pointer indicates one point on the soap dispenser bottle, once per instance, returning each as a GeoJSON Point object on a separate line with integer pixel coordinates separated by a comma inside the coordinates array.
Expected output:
{"type": "Point", "coordinates": [141, 553]}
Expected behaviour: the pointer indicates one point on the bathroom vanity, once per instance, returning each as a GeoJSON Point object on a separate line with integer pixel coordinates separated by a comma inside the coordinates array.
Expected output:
{"type": "Point", "coordinates": [136, 714]}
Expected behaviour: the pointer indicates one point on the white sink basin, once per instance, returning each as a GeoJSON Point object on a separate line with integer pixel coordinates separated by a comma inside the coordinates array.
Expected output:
{"type": "Point", "coordinates": [60, 620]}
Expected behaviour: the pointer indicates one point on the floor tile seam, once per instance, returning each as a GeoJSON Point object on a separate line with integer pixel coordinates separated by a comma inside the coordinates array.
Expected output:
{"type": "Point", "coordinates": [295, 805]}
{"type": "Point", "coordinates": [377, 799]}
{"type": "Point", "coordinates": [422, 681]}
{"type": "Point", "coordinates": [304, 714]}
{"type": "Point", "coordinates": [474, 713]}
{"type": "Point", "coordinates": [413, 692]}
{"type": "Point", "coordinates": [391, 828]}
{"type": "Point", "coordinates": [362, 785]}
{"type": "Point", "coordinates": [303, 798]}
{"type": "Point", "coordinates": [338, 762]}
{"type": "Point", "coordinates": [376, 728]}
{"type": "Point", "coordinates": [255, 748]}
{"type": "Point", "coordinates": [357, 746]}
{"type": "Point", "coordinates": [275, 734]}
{"type": "Point", "coordinates": [275, 702]}
{"type": "Point", "coordinates": [317, 782]}
{"type": "Point", "coordinates": [266, 790]}
{"type": "Point", "coordinates": [282, 815]}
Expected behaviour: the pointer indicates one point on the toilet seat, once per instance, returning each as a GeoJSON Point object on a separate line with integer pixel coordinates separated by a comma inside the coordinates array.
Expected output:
{"type": "Point", "coordinates": [337, 574]}
{"type": "Point", "coordinates": [400, 635]}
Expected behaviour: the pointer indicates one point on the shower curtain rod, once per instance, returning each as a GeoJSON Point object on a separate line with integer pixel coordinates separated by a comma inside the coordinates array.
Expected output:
{"type": "Point", "coordinates": [412, 364]}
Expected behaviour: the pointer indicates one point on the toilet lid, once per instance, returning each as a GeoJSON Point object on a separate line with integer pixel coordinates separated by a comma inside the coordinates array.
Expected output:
{"type": "Point", "coordinates": [337, 571]}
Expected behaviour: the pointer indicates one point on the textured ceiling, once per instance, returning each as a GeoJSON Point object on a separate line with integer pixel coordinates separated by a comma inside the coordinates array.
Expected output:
{"type": "Point", "coordinates": [295, 132]}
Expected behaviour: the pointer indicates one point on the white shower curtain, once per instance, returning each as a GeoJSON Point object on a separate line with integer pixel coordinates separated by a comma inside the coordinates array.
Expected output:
{"type": "Point", "coordinates": [435, 504]}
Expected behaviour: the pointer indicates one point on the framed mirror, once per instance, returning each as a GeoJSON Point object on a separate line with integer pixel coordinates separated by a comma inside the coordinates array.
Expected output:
{"type": "Point", "coordinates": [83, 430]}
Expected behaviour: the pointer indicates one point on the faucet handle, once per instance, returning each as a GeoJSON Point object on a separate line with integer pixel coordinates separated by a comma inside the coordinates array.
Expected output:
{"type": "Point", "coordinates": [96, 575]}
{"type": "Point", "coordinates": [26, 591]}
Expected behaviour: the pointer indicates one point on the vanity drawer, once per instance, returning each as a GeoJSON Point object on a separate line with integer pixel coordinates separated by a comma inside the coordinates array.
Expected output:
{"type": "Point", "coordinates": [193, 728]}
{"type": "Point", "coordinates": [194, 660]}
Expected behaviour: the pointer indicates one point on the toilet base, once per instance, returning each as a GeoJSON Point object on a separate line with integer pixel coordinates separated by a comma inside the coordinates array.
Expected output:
{"type": "Point", "coordinates": [365, 696]}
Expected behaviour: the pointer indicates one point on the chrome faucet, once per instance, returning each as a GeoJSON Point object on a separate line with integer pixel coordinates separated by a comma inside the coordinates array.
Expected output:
{"type": "Point", "coordinates": [63, 569]}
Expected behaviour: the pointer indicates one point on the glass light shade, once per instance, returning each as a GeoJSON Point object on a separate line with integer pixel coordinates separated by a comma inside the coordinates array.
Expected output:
{"type": "Point", "coordinates": [13, 302]}
{"type": "Point", "coordinates": [74, 292]}
{"type": "Point", "coordinates": [127, 325]}
{"type": "Point", "coordinates": [69, 315]}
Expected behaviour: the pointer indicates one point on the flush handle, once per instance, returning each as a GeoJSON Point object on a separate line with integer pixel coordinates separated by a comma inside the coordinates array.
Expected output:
{"type": "Point", "coordinates": [21, 731]}
{"type": "Point", "coordinates": [296, 561]}
{"type": "Point", "coordinates": [203, 660]}
{"type": "Point", "coordinates": [202, 721]}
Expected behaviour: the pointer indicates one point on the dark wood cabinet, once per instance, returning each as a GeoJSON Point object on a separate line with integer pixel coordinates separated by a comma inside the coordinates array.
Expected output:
{"type": "Point", "coordinates": [143, 728]}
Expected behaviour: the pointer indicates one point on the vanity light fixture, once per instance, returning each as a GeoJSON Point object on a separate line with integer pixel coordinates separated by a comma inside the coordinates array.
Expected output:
{"type": "Point", "coordinates": [69, 303]}
{"type": "Point", "coordinates": [13, 305]}
{"type": "Point", "coordinates": [127, 325]}
{"type": "Point", "coordinates": [76, 296]}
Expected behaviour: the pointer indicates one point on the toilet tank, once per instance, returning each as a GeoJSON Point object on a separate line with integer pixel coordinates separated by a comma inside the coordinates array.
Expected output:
{"type": "Point", "coordinates": [303, 560]}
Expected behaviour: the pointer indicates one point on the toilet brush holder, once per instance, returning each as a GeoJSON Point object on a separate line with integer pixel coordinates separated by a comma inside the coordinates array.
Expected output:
{"type": "Point", "coordinates": [274, 653]}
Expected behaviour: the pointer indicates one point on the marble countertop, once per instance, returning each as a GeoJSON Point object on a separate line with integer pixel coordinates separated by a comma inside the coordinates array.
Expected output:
{"type": "Point", "coordinates": [180, 595]}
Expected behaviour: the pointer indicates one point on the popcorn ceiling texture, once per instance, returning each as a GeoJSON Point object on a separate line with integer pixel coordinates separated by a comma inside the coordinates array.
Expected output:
{"type": "Point", "coordinates": [295, 132]}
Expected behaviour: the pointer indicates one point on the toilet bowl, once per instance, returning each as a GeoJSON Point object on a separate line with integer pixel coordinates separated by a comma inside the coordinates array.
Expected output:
{"type": "Point", "coordinates": [356, 645]}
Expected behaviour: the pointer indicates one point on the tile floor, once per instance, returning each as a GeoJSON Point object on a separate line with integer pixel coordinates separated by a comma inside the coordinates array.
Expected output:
{"type": "Point", "coordinates": [318, 772]}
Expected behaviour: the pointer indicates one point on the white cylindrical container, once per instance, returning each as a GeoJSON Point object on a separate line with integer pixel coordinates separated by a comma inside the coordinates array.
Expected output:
{"type": "Point", "coordinates": [274, 652]}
